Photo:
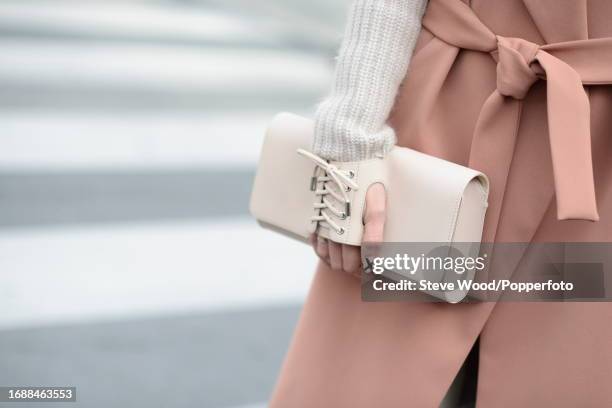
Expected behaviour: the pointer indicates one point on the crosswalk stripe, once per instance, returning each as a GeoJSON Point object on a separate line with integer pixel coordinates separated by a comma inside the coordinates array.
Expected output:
{"type": "Point", "coordinates": [55, 275]}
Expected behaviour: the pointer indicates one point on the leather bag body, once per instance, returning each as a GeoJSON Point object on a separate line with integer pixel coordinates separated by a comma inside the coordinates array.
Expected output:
{"type": "Point", "coordinates": [428, 199]}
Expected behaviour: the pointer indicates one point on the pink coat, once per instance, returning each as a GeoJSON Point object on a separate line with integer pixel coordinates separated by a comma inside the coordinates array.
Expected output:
{"type": "Point", "coordinates": [475, 95]}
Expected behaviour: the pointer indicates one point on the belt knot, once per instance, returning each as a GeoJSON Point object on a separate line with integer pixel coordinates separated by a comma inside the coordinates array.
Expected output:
{"type": "Point", "coordinates": [517, 68]}
{"type": "Point", "coordinates": [520, 63]}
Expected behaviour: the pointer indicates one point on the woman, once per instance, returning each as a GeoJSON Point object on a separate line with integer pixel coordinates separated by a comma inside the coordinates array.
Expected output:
{"type": "Point", "coordinates": [518, 89]}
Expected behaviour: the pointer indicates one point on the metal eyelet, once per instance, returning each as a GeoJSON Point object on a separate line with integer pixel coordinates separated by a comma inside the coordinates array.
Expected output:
{"type": "Point", "coordinates": [343, 216]}
{"type": "Point", "coordinates": [347, 189]}
{"type": "Point", "coordinates": [351, 174]}
{"type": "Point", "coordinates": [340, 231]}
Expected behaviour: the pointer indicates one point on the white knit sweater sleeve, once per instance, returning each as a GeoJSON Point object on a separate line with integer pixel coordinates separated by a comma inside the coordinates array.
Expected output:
{"type": "Point", "coordinates": [351, 123]}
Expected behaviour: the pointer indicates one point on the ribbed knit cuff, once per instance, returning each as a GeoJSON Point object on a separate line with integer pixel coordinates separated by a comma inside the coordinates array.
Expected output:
{"type": "Point", "coordinates": [342, 142]}
{"type": "Point", "coordinates": [351, 123]}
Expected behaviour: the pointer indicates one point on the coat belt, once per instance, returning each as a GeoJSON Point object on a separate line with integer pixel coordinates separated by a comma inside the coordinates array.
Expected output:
{"type": "Point", "coordinates": [566, 67]}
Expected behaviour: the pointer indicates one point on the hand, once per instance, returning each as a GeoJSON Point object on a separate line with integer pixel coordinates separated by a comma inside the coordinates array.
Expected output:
{"type": "Point", "coordinates": [347, 258]}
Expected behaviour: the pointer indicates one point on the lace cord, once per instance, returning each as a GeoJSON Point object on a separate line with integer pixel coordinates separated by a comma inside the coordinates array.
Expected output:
{"type": "Point", "coordinates": [335, 183]}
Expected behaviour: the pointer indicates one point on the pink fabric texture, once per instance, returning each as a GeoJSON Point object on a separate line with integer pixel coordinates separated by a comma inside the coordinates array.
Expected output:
{"type": "Point", "coordinates": [519, 90]}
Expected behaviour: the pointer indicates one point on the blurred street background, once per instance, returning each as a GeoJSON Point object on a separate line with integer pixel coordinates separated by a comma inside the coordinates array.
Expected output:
{"type": "Point", "coordinates": [129, 134]}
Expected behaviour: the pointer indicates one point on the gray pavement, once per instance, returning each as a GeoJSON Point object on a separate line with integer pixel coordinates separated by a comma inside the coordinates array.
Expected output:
{"type": "Point", "coordinates": [225, 359]}
{"type": "Point", "coordinates": [64, 198]}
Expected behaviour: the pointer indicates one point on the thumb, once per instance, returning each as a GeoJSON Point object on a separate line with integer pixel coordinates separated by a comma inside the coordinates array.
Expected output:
{"type": "Point", "coordinates": [375, 213]}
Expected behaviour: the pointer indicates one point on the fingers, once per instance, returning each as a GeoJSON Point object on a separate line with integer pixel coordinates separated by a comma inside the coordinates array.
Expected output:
{"type": "Point", "coordinates": [351, 259]}
{"type": "Point", "coordinates": [375, 213]}
{"type": "Point", "coordinates": [335, 255]}
{"type": "Point", "coordinates": [320, 247]}
{"type": "Point", "coordinates": [346, 258]}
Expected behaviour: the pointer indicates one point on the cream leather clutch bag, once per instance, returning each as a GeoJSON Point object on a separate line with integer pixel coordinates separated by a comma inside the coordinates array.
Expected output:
{"type": "Point", "coordinates": [429, 200]}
